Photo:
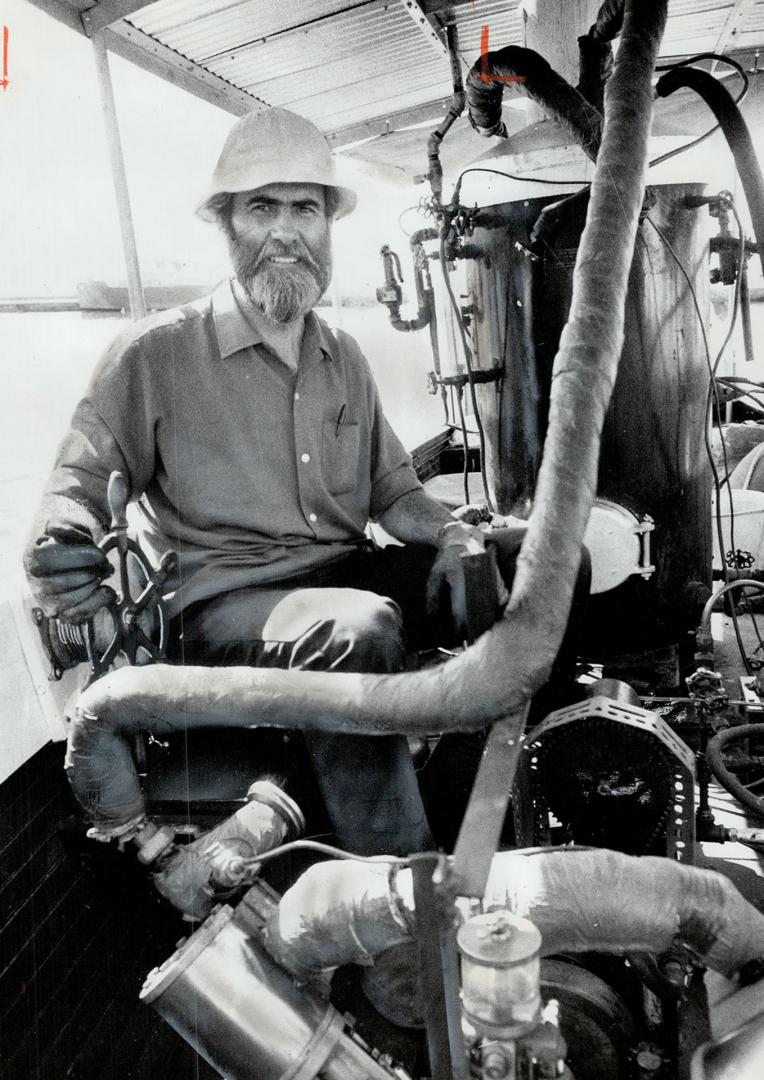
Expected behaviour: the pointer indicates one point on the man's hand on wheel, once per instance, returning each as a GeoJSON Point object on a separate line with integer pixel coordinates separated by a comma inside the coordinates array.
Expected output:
{"type": "Point", "coordinates": [65, 569]}
{"type": "Point", "coordinates": [446, 584]}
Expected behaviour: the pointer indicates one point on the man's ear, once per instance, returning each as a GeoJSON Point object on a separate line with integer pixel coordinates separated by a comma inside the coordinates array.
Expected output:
{"type": "Point", "coordinates": [222, 206]}
{"type": "Point", "coordinates": [331, 202]}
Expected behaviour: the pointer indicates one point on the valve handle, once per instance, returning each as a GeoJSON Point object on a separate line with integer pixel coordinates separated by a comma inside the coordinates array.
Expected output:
{"type": "Point", "coordinates": [118, 495]}
{"type": "Point", "coordinates": [392, 265]}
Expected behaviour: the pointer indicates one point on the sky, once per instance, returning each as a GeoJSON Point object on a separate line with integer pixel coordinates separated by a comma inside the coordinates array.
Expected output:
{"type": "Point", "coordinates": [60, 221]}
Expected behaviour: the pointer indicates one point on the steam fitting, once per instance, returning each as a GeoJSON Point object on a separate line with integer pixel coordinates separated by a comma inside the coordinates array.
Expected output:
{"type": "Point", "coordinates": [226, 857]}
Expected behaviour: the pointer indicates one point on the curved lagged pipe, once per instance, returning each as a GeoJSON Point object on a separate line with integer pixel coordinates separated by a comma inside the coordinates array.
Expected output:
{"type": "Point", "coordinates": [596, 52]}
{"type": "Point", "coordinates": [580, 900]}
{"type": "Point", "coordinates": [509, 663]}
{"type": "Point", "coordinates": [529, 74]}
{"type": "Point", "coordinates": [608, 22]}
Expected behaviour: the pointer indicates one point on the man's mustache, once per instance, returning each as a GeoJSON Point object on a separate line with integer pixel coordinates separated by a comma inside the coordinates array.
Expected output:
{"type": "Point", "coordinates": [282, 251]}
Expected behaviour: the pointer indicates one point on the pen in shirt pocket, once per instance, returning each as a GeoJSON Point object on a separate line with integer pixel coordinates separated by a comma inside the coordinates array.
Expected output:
{"type": "Point", "coordinates": [340, 418]}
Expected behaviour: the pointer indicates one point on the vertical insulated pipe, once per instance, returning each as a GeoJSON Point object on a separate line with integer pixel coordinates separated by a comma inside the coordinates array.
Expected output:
{"type": "Point", "coordinates": [119, 178]}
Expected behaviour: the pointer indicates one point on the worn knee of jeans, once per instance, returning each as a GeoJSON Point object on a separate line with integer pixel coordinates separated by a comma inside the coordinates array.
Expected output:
{"type": "Point", "coordinates": [366, 634]}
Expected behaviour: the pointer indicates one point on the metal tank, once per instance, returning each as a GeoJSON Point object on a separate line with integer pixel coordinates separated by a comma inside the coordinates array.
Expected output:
{"type": "Point", "coordinates": [247, 1016]}
{"type": "Point", "coordinates": [653, 461]}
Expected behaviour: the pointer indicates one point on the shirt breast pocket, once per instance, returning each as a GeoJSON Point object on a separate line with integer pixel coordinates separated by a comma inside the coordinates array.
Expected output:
{"type": "Point", "coordinates": [341, 453]}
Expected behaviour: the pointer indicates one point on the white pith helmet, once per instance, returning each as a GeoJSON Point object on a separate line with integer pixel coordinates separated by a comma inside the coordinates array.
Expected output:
{"type": "Point", "coordinates": [273, 146]}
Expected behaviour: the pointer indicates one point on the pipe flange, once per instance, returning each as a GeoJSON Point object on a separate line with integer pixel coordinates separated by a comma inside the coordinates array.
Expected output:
{"type": "Point", "coordinates": [270, 794]}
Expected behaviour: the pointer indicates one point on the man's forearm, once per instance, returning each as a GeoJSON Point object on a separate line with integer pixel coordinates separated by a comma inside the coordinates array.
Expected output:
{"type": "Point", "coordinates": [415, 518]}
{"type": "Point", "coordinates": [61, 509]}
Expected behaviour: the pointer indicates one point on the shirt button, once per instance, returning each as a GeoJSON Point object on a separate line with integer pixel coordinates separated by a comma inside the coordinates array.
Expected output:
{"type": "Point", "coordinates": [296, 396]}
{"type": "Point", "coordinates": [305, 458]}
{"type": "Point", "coordinates": [312, 517]}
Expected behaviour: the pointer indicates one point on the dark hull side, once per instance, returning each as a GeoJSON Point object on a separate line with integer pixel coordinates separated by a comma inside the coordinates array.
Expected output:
{"type": "Point", "coordinates": [78, 934]}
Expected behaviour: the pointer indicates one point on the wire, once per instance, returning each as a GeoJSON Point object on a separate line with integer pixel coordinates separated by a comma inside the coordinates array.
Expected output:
{"type": "Point", "coordinates": [403, 213]}
{"type": "Point", "coordinates": [733, 319]}
{"type": "Point", "coordinates": [468, 362]}
{"type": "Point", "coordinates": [338, 853]}
{"type": "Point", "coordinates": [701, 138]}
{"type": "Point", "coordinates": [738, 282]}
{"type": "Point", "coordinates": [712, 394]}
{"type": "Point", "coordinates": [514, 176]}
{"type": "Point", "coordinates": [466, 472]}
{"type": "Point", "coordinates": [707, 56]}
{"type": "Point", "coordinates": [740, 379]}
{"type": "Point", "coordinates": [740, 583]}
{"type": "Point", "coordinates": [752, 399]}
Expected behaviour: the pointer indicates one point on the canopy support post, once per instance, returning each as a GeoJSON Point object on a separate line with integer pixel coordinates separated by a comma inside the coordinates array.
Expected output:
{"type": "Point", "coordinates": [119, 178]}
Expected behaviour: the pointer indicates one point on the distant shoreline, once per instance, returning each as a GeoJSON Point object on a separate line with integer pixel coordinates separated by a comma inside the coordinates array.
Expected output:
{"type": "Point", "coordinates": [14, 305]}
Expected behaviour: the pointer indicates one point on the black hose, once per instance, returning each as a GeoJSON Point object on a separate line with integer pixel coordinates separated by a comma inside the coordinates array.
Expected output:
{"type": "Point", "coordinates": [730, 783]}
{"type": "Point", "coordinates": [531, 75]}
{"type": "Point", "coordinates": [730, 120]}
{"type": "Point", "coordinates": [595, 66]}
{"type": "Point", "coordinates": [595, 53]}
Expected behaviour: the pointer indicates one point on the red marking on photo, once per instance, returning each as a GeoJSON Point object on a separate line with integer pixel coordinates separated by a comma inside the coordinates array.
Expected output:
{"type": "Point", "coordinates": [4, 80]}
{"type": "Point", "coordinates": [485, 74]}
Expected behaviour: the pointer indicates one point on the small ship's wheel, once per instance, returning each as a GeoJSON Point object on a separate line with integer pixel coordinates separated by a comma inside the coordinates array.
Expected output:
{"type": "Point", "coordinates": [132, 637]}
{"type": "Point", "coordinates": [134, 626]}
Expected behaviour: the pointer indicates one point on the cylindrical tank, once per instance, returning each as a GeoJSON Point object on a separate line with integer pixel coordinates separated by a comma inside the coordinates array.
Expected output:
{"type": "Point", "coordinates": [653, 459]}
{"type": "Point", "coordinates": [245, 1015]}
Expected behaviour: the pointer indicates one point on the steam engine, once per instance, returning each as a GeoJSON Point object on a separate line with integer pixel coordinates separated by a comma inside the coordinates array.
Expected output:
{"type": "Point", "coordinates": [585, 955]}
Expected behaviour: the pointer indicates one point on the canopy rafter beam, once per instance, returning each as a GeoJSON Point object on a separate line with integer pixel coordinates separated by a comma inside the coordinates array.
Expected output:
{"type": "Point", "coordinates": [732, 24]}
{"type": "Point", "coordinates": [107, 12]}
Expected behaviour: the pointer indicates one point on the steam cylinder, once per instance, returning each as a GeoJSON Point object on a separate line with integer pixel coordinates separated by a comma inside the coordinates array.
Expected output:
{"type": "Point", "coordinates": [653, 459]}
{"type": "Point", "coordinates": [245, 1015]}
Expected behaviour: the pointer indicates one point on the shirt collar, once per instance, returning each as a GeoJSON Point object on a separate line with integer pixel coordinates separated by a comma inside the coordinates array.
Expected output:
{"type": "Point", "coordinates": [318, 333]}
{"type": "Point", "coordinates": [235, 332]}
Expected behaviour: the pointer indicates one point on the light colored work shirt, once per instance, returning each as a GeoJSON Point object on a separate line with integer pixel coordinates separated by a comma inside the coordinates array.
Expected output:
{"type": "Point", "coordinates": [251, 471]}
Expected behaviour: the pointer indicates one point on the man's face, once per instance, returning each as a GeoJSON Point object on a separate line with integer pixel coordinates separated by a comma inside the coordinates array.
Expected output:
{"type": "Point", "coordinates": [279, 239]}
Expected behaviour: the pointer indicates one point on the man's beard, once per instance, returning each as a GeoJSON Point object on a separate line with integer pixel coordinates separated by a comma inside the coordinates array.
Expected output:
{"type": "Point", "coordinates": [283, 292]}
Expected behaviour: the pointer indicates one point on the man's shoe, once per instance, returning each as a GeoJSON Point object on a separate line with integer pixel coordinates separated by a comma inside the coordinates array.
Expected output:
{"type": "Point", "coordinates": [225, 858]}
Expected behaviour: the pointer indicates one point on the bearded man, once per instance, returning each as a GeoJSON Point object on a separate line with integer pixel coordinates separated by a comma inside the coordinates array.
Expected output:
{"type": "Point", "coordinates": [255, 446]}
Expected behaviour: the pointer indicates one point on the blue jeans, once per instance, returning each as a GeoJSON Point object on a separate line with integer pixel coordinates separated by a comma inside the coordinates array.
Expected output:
{"type": "Point", "coordinates": [360, 614]}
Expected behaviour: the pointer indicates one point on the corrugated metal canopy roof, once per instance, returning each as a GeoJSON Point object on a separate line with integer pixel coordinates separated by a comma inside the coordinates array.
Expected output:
{"type": "Point", "coordinates": [349, 65]}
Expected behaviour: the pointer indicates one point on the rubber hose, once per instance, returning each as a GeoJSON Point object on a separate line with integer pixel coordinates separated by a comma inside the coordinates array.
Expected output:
{"type": "Point", "coordinates": [730, 783]}
{"type": "Point", "coordinates": [730, 120]}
